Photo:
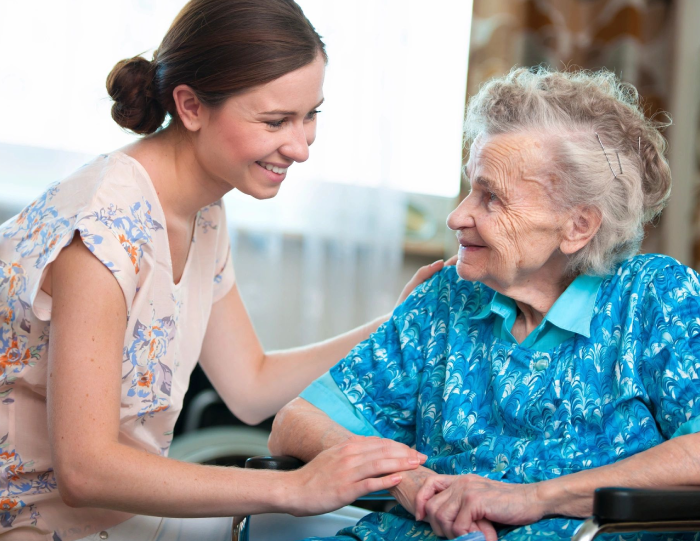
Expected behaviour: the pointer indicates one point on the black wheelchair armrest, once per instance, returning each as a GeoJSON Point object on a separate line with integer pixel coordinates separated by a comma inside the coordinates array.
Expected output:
{"type": "Point", "coordinates": [615, 504]}
{"type": "Point", "coordinates": [281, 463]}
{"type": "Point", "coordinates": [663, 509]}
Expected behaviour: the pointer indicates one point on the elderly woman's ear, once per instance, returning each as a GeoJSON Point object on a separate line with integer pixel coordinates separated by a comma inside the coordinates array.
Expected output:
{"type": "Point", "coordinates": [579, 229]}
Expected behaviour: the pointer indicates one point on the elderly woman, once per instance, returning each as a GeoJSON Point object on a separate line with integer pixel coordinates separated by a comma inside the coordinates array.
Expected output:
{"type": "Point", "coordinates": [554, 359]}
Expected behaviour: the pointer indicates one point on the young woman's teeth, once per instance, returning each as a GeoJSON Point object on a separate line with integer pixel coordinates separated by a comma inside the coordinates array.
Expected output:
{"type": "Point", "coordinates": [274, 168]}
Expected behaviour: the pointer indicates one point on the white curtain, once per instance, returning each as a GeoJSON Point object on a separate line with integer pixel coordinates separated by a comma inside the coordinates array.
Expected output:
{"type": "Point", "coordinates": [320, 259]}
{"type": "Point", "coordinates": [325, 254]}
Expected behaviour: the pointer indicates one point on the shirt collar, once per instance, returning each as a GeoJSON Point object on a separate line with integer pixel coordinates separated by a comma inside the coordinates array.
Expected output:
{"type": "Point", "coordinates": [499, 305]}
{"type": "Point", "coordinates": [572, 311]}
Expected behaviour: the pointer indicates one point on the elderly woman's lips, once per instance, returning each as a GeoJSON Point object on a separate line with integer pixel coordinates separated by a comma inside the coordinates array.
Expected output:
{"type": "Point", "coordinates": [470, 247]}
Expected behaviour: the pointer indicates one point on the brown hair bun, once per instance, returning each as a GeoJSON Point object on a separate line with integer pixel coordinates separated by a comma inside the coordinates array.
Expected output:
{"type": "Point", "coordinates": [136, 106]}
{"type": "Point", "coordinates": [218, 48]}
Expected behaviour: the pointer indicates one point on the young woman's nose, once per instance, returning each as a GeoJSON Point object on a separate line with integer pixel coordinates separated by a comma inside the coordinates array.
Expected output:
{"type": "Point", "coordinates": [462, 217]}
{"type": "Point", "coordinates": [297, 145]}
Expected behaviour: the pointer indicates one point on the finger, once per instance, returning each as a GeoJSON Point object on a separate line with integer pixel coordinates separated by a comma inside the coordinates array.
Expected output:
{"type": "Point", "coordinates": [434, 504]}
{"type": "Point", "coordinates": [431, 486]}
{"type": "Point", "coordinates": [384, 448]}
{"type": "Point", "coordinates": [443, 518]}
{"type": "Point", "coordinates": [419, 277]}
{"type": "Point", "coordinates": [422, 497]}
{"type": "Point", "coordinates": [384, 466]}
{"type": "Point", "coordinates": [436, 508]}
{"type": "Point", "coordinates": [436, 528]}
{"type": "Point", "coordinates": [464, 523]}
{"type": "Point", "coordinates": [487, 529]}
{"type": "Point", "coordinates": [363, 446]}
{"type": "Point", "coordinates": [372, 458]}
{"type": "Point", "coordinates": [452, 261]}
{"type": "Point", "coordinates": [425, 272]}
{"type": "Point", "coordinates": [429, 270]}
{"type": "Point", "coordinates": [390, 447]}
{"type": "Point", "coordinates": [446, 517]}
{"type": "Point", "coordinates": [375, 484]}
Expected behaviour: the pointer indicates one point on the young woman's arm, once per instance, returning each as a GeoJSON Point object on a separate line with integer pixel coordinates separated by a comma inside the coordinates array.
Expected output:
{"type": "Point", "coordinates": [93, 468]}
{"type": "Point", "coordinates": [303, 431]}
{"type": "Point", "coordinates": [255, 384]}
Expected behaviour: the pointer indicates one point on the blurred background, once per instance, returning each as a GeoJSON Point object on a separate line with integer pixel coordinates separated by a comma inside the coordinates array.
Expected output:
{"type": "Point", "coordinates": [350, 226]}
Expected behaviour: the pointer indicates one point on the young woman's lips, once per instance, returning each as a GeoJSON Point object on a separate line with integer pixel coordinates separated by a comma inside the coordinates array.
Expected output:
{"type": "Point", "coordinates": [274, 172]}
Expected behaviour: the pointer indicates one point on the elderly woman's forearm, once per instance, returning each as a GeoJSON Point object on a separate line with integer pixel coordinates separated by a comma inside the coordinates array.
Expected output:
{"type": "Point", "coordinates": [674, 462]}
{"type": "Point", "coordinates": [303, 431]}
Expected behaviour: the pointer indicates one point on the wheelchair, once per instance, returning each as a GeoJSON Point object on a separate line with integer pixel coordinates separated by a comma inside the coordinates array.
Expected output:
{"type": "Point", "coordinates": [615, 509]}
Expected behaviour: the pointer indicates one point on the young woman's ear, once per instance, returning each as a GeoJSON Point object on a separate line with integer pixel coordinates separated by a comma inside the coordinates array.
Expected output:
{"type": "Point", "coordinates": [579, 229]}
{"type": "Point", "coordinates": [189, 108]}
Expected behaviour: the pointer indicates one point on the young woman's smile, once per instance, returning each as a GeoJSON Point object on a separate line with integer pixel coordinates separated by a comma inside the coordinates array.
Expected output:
{"type": "Point", "coordinates": [251, 140]}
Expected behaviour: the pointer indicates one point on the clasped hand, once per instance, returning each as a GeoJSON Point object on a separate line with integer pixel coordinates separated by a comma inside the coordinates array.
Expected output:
{"type": "Point", "coordinates": [458, 504]}
{"type": "Point", "coordinates": [341, 474]}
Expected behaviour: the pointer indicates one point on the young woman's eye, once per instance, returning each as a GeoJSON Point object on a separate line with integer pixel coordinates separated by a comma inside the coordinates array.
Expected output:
{"type": "Point", "coordinates": [276, 123]}
{"type": "Point", "coordinates": [312, 114]}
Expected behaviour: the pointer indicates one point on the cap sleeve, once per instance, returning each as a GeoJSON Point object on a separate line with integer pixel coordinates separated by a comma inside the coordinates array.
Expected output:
{"type": "Point", "coordinates": [117, 235]}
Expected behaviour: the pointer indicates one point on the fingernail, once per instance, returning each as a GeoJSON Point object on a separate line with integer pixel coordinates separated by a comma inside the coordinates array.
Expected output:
{"type": "Point", "coordinates": [436, 263]}
{"type": "Point", "coordinates": [422, 456]}
{"type": "Point", "coordinates": [396, 479]}
{"type": "Point", "coordinates": [414, 461]}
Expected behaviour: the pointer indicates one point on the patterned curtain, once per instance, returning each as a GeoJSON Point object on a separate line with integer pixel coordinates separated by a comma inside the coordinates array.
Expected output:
{"type": "Point", "coordinates": [696, 217]}
{"type": "Point", "coordinates": [630, 37]}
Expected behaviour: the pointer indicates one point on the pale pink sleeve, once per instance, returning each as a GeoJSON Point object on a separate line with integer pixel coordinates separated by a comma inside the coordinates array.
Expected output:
{"type": "Point", "coordinates": [107, 230]}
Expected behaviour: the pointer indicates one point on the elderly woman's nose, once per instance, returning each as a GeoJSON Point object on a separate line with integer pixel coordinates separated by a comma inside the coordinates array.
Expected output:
{"type": "Point", "coordinates": [296, 147]}
{"type": "Point", "coordinates": [461, 217]}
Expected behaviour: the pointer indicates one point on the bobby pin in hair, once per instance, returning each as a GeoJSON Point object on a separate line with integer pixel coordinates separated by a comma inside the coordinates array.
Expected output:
{"type": "Point", "coordinates": [616, 152]}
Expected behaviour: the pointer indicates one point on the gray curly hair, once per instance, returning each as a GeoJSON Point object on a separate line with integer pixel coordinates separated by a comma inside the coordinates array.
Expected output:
{"type": "Point", "coordinates": [567, 110]}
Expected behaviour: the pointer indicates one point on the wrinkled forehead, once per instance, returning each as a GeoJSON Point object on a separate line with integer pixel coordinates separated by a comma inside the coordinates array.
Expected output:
{"type": "Point", "coordinates": [508, 157]}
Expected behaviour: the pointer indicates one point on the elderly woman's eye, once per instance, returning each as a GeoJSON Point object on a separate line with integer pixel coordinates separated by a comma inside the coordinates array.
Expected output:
{"type": "Point", "coordinates": [492, 197]}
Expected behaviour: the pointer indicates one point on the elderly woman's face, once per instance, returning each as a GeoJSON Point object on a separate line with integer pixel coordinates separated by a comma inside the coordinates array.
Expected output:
{"type": "Point", "coordinates": [508, 227]}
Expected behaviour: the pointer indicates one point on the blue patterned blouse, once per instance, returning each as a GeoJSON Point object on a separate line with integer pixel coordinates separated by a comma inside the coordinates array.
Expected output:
{"type": "Point", "coordinates": [436, 376]}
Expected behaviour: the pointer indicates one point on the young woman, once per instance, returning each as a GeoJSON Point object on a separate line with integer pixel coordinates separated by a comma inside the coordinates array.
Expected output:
{"type": "Point", "coordinates": [117, 280]}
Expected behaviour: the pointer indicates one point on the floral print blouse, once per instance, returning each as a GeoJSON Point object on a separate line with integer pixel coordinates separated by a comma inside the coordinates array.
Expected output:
{"type": "Point", "coordinates": [114, 207]}
{"type": "Point", "coordinates": [436, 377]}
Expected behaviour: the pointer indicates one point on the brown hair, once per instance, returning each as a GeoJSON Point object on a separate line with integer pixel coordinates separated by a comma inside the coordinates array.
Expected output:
{"type": "Point", "coordinates": [217, 47]}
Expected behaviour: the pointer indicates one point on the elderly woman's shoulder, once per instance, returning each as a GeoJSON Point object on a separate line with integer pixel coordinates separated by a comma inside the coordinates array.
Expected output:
{"type": "Point", "coordinates": [651, 266]}
{"type": "Point", "coordinates": [448, 278]}
{"type": "Point", "coordinates": [447, 282]}
{"type": "Point", "coordinates": [653, 275]}
{"type": "Point", "coordinates": [448, 288]}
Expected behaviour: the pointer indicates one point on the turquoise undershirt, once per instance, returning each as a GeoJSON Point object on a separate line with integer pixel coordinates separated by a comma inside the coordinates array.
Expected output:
{"type": "Point", "coordinates": [570, 314]}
